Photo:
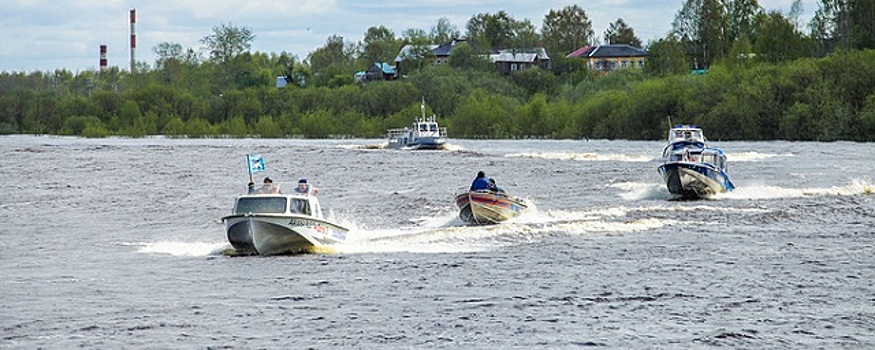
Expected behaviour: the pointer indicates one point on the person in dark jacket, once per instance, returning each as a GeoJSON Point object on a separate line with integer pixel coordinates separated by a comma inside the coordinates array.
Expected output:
{"type": "Point", "coordinates": [480, 183]}
{"type": "Point", "coordinates": [494, 187]}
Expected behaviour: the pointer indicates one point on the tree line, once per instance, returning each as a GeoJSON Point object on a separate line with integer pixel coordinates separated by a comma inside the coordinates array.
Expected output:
{"type": "Point", "coordinates": [765, 80]}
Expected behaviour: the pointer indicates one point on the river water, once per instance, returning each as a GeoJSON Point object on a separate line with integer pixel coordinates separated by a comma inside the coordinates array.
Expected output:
{"type": "Point", "coordinates": [117, 243]}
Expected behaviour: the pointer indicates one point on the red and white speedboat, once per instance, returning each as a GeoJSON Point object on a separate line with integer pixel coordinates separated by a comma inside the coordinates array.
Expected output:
{"type": "Point", "coordinates": [488, 207]}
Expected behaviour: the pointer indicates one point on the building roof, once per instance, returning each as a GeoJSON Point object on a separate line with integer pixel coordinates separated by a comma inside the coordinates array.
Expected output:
{"type": "Point", "coordinates": [519, 56]}
{"type": "Point", "coordinates": [444, 50]}
{"type": "Point", "coordinates": [608, 51]}
{"type": "Point", "coordinates": [513, 57]}
{"type": "Point", "coordinates": [407, 51]}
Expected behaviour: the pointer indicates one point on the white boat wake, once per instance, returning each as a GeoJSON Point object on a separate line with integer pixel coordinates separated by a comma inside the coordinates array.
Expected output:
{"type": "Point", "coordinates": [588, 156]}
{"type": "Point", "coordinates": [634, 191]}
{"type": "Point", "coordinates": [184, 248]}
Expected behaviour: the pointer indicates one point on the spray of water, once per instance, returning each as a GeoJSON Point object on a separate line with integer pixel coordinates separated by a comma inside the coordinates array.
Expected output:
{"type": "Point", "coordinates": [583, 156]}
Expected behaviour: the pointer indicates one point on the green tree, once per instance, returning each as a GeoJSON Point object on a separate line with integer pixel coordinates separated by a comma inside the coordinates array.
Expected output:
{"type": "Point", "coordinates": [443, 32]}
{"type": "Point", "coordinates": [484, 114]}
{"type": "Point", "coordinates": [167, 51]}
{"type": "Point", "coordinates": [621, 33]}
{"type": "Point", "coordinates": [666, 57]}
{"type": "Point", "coordinates": [863, 17]}
{"type": "Point", "coordinates": [332, 60]}
{"type": "Point", "coordinates": [235, 127]}
{"type": "Point", "coordinates": [778, 40]}
{"type": "Point", "coordinates": [536, 80]}
{"type": "Point", "coordinates": [488, 31]}
{"type": "Point", "coordinates": [419, 53]}
{"type": "Point", "coordinates": [226, 44]}
{"type": "Point", "coordinates": [197, 127]}
{"type": "Point", "coordinates": [701, 25]}
{"type": "Point", "coordinates": [466, 57]}
{"type": "Point", "coordinates": [227, 41]}
{"type": "Point", "coordinates": [266, 127]}
{"type": "Point", "coordinates": [535, 118]}
{"type": "Point", "coordinates": [129, 114]}
{"type": "Point", "coordinates": [742, 17]}
{"type": "Point", "coordinates": [174, 127]}
{"type": "Point", "coordinates": [379, 45]}
{"type": "Point", "coordinates": [525, 36]}
{"type": "Point", "coordinates": [567, 30]}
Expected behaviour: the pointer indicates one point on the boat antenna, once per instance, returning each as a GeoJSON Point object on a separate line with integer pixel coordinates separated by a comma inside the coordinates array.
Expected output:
{"type": "Point", "coordinates": [669, 121]}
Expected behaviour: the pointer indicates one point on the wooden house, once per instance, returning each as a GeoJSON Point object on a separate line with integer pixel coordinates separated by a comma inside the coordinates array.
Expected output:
{"type": "Point", "coordinates": [606, 58]}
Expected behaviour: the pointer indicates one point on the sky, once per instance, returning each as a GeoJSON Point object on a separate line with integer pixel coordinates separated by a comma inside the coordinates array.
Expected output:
{"type": "Point", "coordinates": [45, 35]}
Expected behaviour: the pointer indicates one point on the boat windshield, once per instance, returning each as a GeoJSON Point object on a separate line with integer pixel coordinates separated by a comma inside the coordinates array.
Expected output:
{"type": "Point", "coordinates": [433, 127]}
{"type": "Point", "coordinates": [686, 135]}
{"type": "Point", "coordinates": [300, 206]}
{"type": "Point", "coordinates": [274, 205]}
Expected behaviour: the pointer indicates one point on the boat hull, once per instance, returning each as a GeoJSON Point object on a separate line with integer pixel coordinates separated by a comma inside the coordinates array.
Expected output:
{"type": "Point", "coordinates": [280, 234]}
{"type": "Point", "coordinates": [694, 180]}
{"type": "Point", "coordinates": [483, 208]}
{"type": "Point", "coordinates": [420, 143]}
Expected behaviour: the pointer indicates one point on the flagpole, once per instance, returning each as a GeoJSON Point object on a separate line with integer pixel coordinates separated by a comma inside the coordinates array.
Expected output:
{"type": "Point", "coordinates": [249, 167]}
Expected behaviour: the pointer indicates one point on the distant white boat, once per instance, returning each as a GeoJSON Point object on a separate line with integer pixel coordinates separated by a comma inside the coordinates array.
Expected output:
{"type": "Point", "coordinates": [271, 224]}
{"type": "Point", "coordinates": [691, 169]}
{"type": "Point", "coordinates": [425, 133]}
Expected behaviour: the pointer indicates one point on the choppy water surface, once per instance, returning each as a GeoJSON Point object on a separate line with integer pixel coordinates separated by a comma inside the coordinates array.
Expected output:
{"type": "Point", "coordinates": [116, 243]}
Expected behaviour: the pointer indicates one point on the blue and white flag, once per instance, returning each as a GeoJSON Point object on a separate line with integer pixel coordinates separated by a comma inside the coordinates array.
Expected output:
{"type": "Point", "coordinates": [256, 163]}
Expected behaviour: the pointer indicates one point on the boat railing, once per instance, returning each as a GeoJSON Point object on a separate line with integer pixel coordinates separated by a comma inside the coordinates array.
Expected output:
{"type": "Point", "coordinates": [500, 192]}
{"type": "Point", "coordinates": [702, 156]}
{"type": "Point", "coordinates": [397, 133]}
{"type": "Point", "coordinates": [421, 128]}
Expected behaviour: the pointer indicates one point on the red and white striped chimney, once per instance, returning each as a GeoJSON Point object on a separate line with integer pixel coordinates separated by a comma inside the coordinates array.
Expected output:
{"type": "Point", "coordinates": [102, 58]}
{"type": "Point", "coordinates": [133, 40]}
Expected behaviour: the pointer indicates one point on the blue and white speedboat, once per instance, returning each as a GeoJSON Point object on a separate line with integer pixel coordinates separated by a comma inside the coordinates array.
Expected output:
{"type": "Point", "coordinates": [690, 168]}
{"type": "Point", "coordinates": [425, 133]}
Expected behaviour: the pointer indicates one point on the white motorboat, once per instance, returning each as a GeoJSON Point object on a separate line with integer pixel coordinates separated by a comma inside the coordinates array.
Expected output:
{"type": "Point", "coordinates": [277, 223]}
{"type": "Point", "coordinates": [425, 133]}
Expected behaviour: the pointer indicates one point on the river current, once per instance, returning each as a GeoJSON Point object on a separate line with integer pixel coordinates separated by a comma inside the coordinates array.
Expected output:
{"type": "Point", "coordinates": [118, 244]}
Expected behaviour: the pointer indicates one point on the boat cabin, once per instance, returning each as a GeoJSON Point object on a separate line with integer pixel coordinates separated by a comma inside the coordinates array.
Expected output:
{"type": "Point", "coordinates": [421, 128]}
{"type": "Point", "coordinates": [685, 133]}
{"type": "Point", "coordinates": [301, 201]}
{"type": "Point", "coordinates": [711, 156]}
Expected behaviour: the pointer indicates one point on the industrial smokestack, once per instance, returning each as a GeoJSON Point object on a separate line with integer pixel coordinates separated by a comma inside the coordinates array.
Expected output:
{"type": "Point", "coordinates": [133, 40]}
{"type": "Point", "coordinates": [102, 58]}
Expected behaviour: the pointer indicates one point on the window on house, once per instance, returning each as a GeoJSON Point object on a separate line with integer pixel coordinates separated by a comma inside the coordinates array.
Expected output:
{"type": "Point", "coordinates": [513, 67]}
{"type": "Point", "coordinates": [623, 64]}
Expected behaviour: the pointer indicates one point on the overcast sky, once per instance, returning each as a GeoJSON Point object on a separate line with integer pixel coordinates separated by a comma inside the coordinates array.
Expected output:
{"type": "Point", "coordinates": [44, 35]}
